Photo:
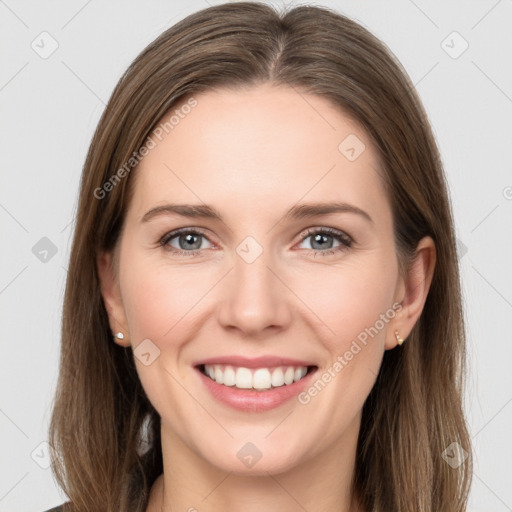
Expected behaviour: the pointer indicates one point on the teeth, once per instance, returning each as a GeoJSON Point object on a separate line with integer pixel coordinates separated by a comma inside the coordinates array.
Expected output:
{"type": "Point", "coordinates": [288, 375]}
{"type": "Point", "coordinates": [219, 375]}
{"type": "Point", "coordinates": [299, 373]}
{"type": "Point", "coordinates": [229, 377]}
{"type": "Point", "coordinates": [260, 379]}
{"type": "Point", "coordinates": [277, 378]}
{"type": "Point", "coordinates": [243, 378]}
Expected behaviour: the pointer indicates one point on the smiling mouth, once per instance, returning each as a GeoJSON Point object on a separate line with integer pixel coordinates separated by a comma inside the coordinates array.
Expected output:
{"type": "Point", "coordinates": [258, 379]}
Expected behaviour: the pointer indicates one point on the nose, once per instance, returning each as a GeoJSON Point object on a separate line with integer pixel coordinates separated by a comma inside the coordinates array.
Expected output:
{"type": "Point", "coordinates": [253, 298]}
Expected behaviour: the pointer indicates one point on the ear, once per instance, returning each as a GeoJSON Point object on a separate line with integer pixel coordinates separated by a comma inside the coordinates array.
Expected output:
{"type": "Point", "coordinates": [412, 291]}
{"type": "Point", "coordinates": [111, 294]}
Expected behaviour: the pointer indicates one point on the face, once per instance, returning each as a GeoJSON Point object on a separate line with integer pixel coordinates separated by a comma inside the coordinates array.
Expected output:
{"type": "Point", "coordinates": [254, 281]}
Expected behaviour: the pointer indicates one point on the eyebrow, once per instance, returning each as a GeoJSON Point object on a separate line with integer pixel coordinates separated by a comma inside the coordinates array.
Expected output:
{"type": "Point", "coordinates": [298, 211]}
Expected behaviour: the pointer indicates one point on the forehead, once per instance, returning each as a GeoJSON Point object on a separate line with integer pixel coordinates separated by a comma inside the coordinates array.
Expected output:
{"type": "Point", "coordinates": [263, 145]}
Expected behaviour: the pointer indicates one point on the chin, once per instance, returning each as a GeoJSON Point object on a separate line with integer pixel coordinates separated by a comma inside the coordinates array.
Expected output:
{"type": "Point", "coordinates": [254, 458]}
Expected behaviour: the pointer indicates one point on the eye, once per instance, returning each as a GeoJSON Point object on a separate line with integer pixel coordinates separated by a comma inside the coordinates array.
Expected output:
{"type": "Point", "coordinates": [190, 242]}
{"type": "Point", "coordinates": [323, 240]}
{"type": "Point", "coordinates": [185, 242]}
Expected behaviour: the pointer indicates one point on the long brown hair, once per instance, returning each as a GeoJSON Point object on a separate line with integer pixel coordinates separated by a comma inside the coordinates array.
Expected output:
{"type": "Point", "coordinates": [414, 411]}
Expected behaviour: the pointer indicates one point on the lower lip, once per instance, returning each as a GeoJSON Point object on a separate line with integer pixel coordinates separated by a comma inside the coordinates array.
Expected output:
{"type": "Point", "coordinates": [250, 400]}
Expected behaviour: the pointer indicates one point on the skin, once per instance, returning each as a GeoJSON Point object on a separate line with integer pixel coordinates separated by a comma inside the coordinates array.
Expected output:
{"type": "Point", "coordinates": [252, 155]}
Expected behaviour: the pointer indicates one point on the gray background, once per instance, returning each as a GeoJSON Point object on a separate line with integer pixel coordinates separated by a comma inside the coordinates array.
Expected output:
{"type": "Point", "coordinates": [50, 107]}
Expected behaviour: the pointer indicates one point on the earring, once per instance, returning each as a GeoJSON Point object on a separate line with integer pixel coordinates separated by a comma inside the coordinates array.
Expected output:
{"type": "Point", "coordinates": [119, 336]}
{"type": "Point", "coordinates": [398, 339]}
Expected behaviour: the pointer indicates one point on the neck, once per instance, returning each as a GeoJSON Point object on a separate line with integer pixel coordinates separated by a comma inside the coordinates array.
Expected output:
{"type": "Point", "coordinates": [322, 483]}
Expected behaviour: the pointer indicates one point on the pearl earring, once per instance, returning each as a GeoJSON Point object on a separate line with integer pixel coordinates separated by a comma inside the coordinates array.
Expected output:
{"type": "Point", "coordinates": [119, 336]}
{"type": "Point", "coordinates": [398, 339]}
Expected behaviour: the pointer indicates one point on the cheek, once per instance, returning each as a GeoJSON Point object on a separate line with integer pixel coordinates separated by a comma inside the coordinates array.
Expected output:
{"type": "Point", "coordinates": [357, 308]}
{"type": "Point", "coordinates": [162, 304]}
{"type": "Point", "coordinates": [160, 300]}
{"type": "Point", "coordinates": [352, 298]}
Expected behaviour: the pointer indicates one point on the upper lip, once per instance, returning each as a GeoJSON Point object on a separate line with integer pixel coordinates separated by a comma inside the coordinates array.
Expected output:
{"type": "Point", "coordinates": [254, 362]}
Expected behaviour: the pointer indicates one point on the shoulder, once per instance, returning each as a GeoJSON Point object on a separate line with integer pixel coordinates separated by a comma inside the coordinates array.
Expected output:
{"type": "Point", "coordinates": [60, 508]}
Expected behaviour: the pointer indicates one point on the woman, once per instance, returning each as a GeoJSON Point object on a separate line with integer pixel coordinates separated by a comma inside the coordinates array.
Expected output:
{"type": "Point", "coordinates": [263, 221]}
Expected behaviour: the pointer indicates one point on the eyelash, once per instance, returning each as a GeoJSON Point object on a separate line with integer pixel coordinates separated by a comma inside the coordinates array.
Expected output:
{"type": "Point", "coordinates": [345, 240]}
